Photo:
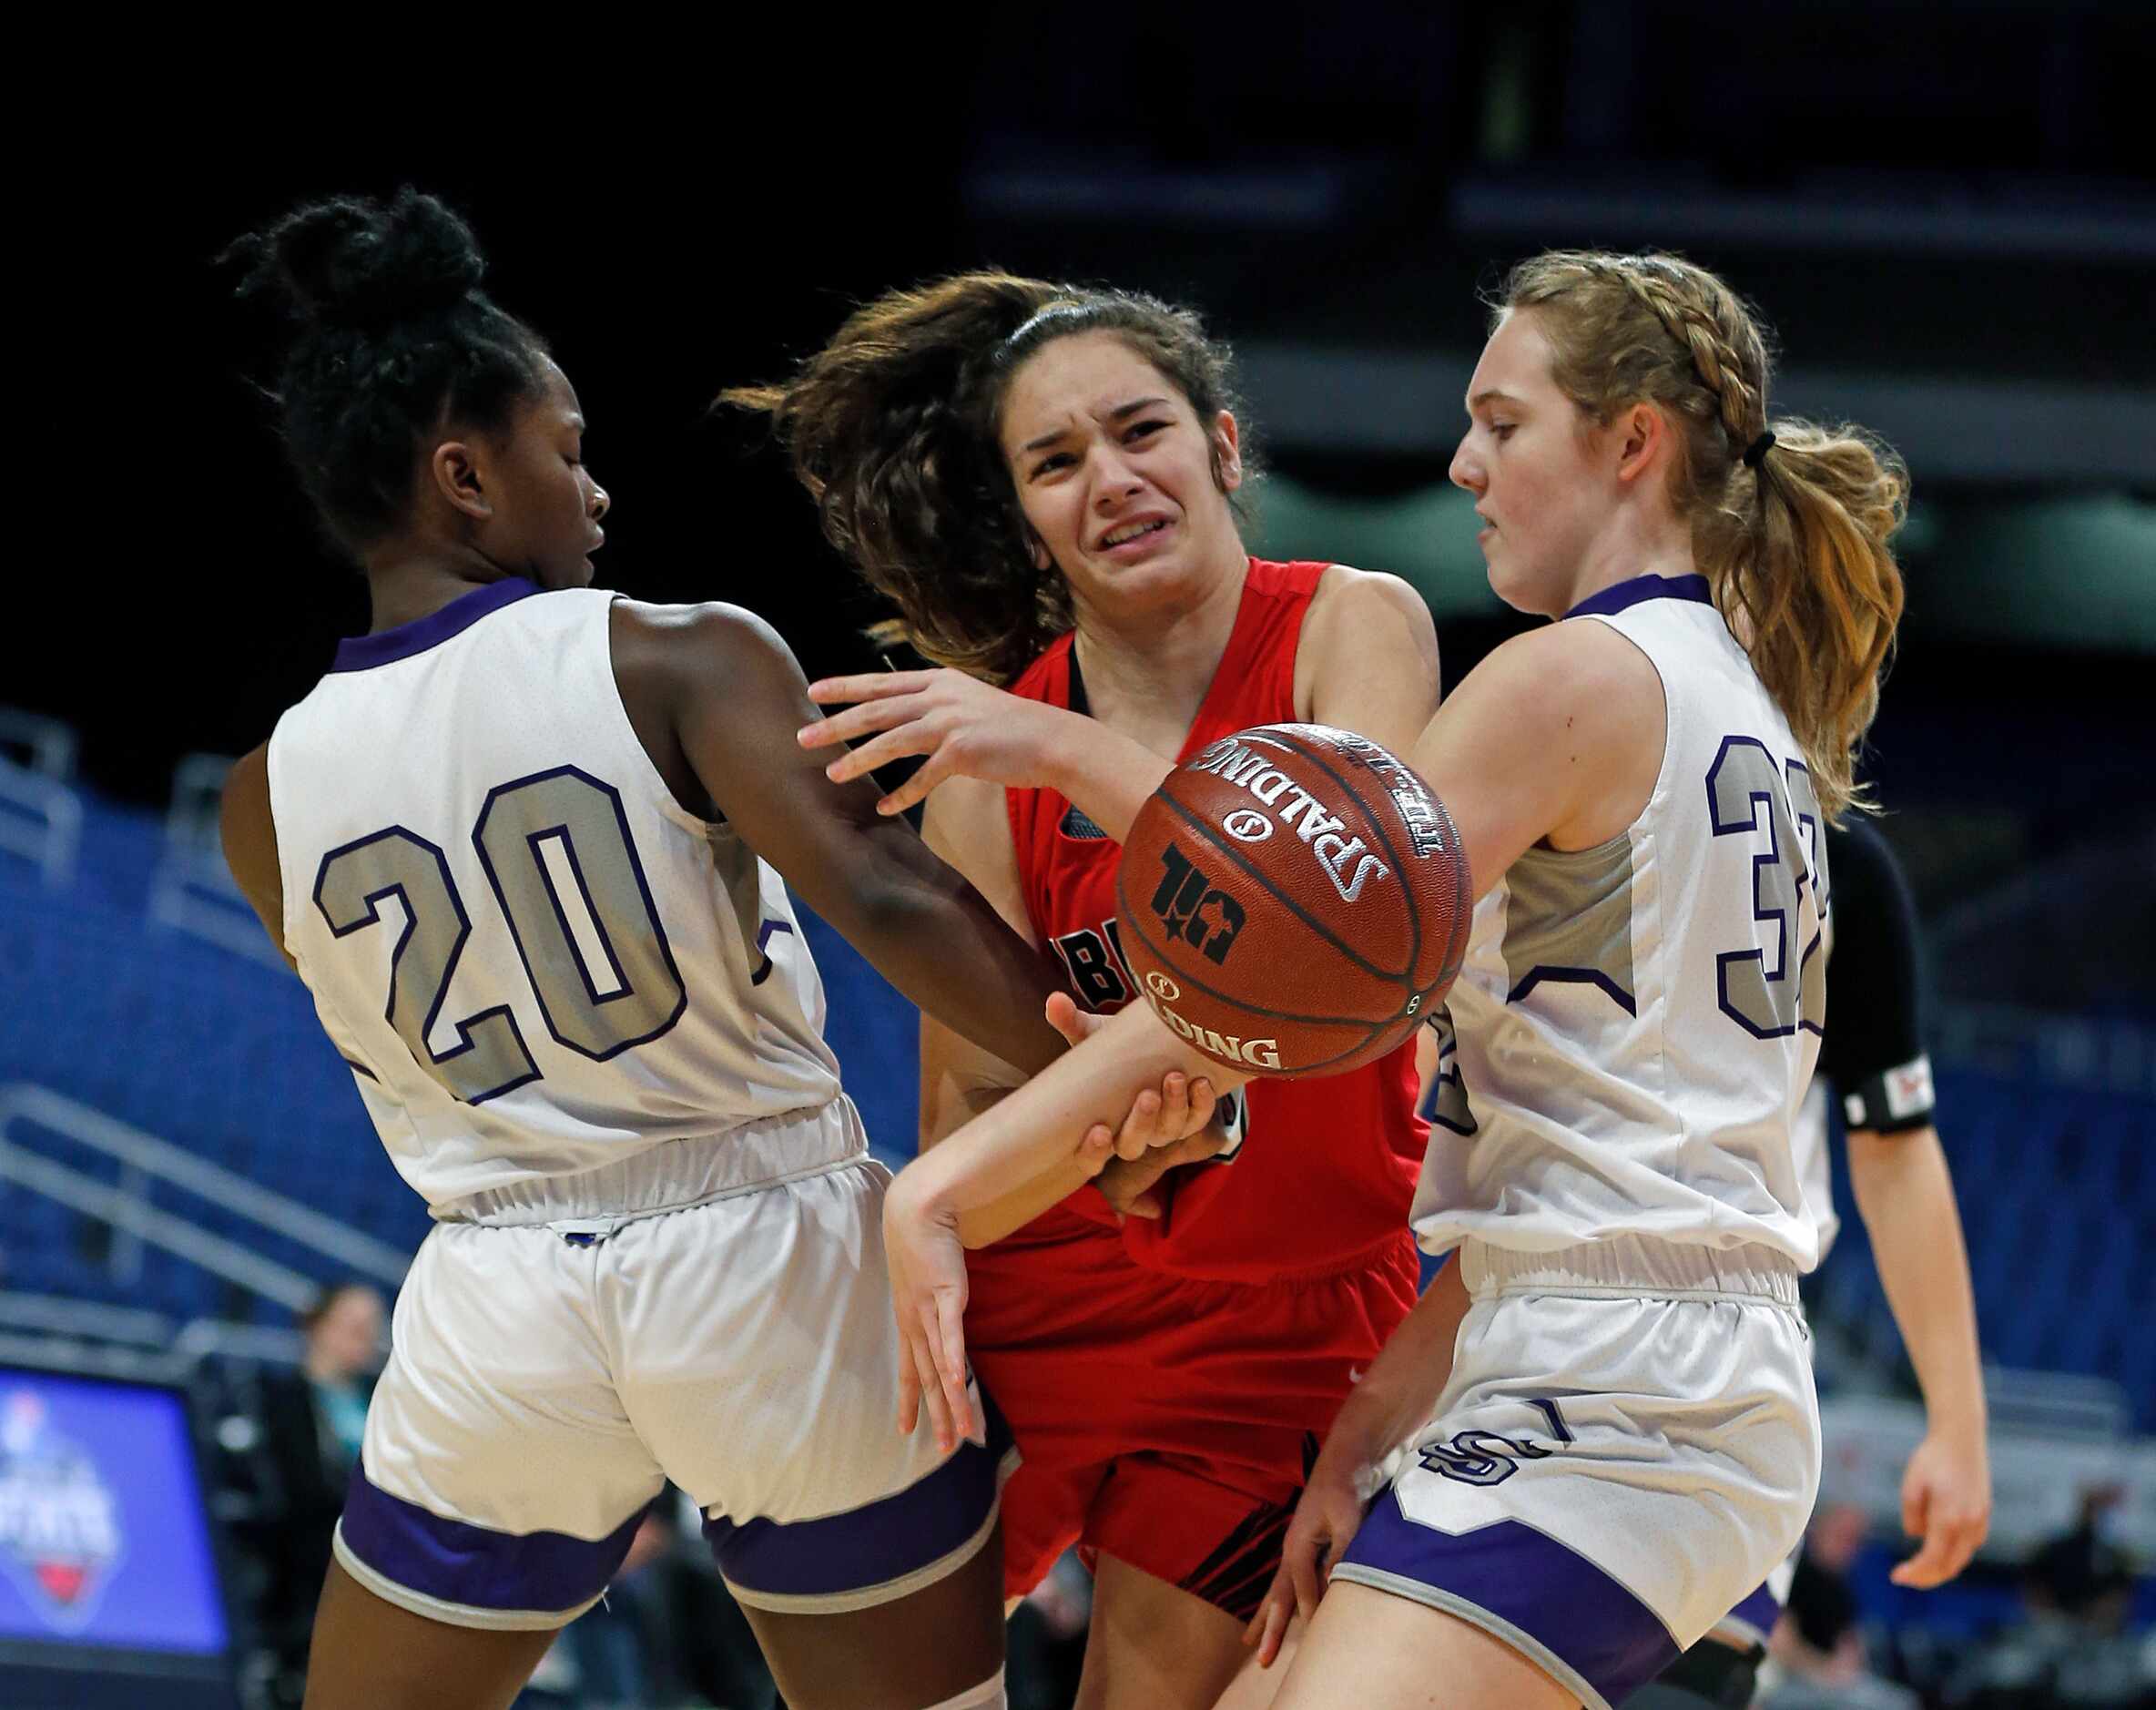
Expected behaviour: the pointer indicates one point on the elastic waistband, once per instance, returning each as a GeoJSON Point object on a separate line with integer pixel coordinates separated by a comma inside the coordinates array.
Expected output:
{"type": "Point", "coordinates": [678, 1174]}
{"type": "Point", "coordinates": [1633, 1265]}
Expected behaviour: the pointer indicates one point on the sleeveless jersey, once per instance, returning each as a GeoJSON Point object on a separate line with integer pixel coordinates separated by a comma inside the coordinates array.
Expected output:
{"type": "Point", "coordinates": [1636, 1023]}
{"type": "Point", "coordinates": [1326, 1169]}
{"type": "Point", "coordinates": [534, 960]}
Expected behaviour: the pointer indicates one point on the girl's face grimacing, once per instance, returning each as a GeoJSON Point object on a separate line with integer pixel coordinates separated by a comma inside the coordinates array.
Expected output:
{"type": "Point", "coordinates": [1115, 472]}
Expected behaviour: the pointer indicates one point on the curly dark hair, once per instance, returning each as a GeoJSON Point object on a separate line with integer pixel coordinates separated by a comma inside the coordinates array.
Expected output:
{"type": "Point", "coordinates": [892, 428]}
{"type": "Point", "coordinates": [389, 336]}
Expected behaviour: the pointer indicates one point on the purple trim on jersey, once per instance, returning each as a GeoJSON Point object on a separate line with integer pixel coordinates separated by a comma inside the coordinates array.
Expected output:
{"type": "Point", "coordinates": [1557, 975]}
{"type": "Point", "coordinates": [363, 653]}
{"type": "Point", "coordinates": [873, 1545]}
{"type": "Point", "coordinates": [764, 935]}
{"type": "Point", "coordinates": [1758, 1611]}
{"type": "Point", "coordinates": [1639, 590]}
{"type": "Point", "coordinates": [1557, 1598]}
{"type": "Point", "coordinates": [476, 1567]}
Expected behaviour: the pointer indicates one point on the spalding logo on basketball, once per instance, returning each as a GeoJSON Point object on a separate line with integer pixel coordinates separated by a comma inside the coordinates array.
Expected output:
{"type": "Point", "coordinates": [1315, 945]}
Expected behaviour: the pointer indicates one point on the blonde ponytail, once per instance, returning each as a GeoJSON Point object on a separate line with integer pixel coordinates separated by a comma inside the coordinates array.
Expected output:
{"type": "Point", "coordinates": [1793, 539]}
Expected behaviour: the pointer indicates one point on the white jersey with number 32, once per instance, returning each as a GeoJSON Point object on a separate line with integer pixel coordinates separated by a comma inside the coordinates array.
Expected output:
{"type": "Point", "coordinates": [1636, 1023]}
{"type": "Point", "coordinates": [535, 962]}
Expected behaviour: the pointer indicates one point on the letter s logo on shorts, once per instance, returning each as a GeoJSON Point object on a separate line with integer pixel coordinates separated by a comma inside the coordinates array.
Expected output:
{"type": "Point", "coordinates": [1162, 987]}
{"type": "Point", "coordinates": [1487, 1457]}
{"type": "Point", "coordinates": [1248, 825]}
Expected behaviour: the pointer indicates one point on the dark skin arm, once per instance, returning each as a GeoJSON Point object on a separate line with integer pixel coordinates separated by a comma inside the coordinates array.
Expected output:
{"type": "Point", "coordinates": [716, 698]}
{"type": "Point", "coordinates": [250, 843]}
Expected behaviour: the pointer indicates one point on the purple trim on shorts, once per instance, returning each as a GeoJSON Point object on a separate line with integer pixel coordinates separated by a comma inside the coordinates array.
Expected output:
{"type": "Point", "coordinates": [476, 1567]}
{"type": "Point", "coordinates": [1556, 1597]}
{"type": "Point", "coordinates": [363, 653]}
{"type": "Point", "coordinates": [875, 1543]}
{"type": "Point", "coordinates": [1640, 589]}
{"type": "Point", "coordinates": [1759, 1611]}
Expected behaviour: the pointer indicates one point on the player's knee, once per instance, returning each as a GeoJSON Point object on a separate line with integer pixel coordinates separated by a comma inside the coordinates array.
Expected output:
{"type": "Point", "coordinates": [987, 1695]}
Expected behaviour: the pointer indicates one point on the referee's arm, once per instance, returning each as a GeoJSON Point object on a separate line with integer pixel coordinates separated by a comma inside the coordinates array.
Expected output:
{"type": "Point", "coordinates": [1874, 1055]}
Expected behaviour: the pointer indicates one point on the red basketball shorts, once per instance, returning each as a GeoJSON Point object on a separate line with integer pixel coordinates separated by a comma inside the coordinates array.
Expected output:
{"type": "Point", "coordinates": [1167, 1421]}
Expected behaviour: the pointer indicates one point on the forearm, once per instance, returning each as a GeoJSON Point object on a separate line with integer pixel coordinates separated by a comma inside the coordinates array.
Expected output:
{"type": "Point", "coordinates": [1015, 1146]}
{"type": "Point", "coordinates": [1108, 778]}
{"type": "Point", "coordinates": [950, 1101]}
{"type": "Point", "coordinates": [719, 682]}
{"type": "Point", "coordinates": [951, 1094]}
{"type": "Point", "coordinates": [945, 949]}
{"type": "Point", "coordinates": [987, 1224]}
{"type": "Point", "coordinates": [1396, 1394]}
{"type": "Point", "coordinates": [1906, 1196]}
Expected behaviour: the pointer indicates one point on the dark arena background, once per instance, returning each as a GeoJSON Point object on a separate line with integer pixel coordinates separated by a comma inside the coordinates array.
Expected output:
{"type": "Point", "coordinates": [1947, 213]}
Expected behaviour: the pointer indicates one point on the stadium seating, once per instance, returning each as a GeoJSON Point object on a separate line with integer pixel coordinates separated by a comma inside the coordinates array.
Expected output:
{"type": "Point", "coordinates": [2059, 1208]}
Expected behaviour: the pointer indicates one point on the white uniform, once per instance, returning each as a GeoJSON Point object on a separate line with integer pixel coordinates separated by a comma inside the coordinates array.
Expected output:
{"type": "Point", "coordinates": [590, 1034]}
{"type": "Point", "coordinates": [1629, 1440]}
{"type": "Point", "coordinates": [1815, 1165]}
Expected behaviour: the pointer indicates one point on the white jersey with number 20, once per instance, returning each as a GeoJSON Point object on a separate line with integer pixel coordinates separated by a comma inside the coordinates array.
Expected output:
{"type": "Point", "coordinates": [535, 962]}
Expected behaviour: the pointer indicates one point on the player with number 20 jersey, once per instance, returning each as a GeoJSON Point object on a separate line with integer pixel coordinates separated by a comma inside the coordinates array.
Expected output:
{"type": "Point", "coordinates": [523, 843]}
{"type": "Point", "coordinates": [515, 943]}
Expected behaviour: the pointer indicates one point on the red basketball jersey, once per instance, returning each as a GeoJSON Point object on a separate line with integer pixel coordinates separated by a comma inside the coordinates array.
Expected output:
{"type": "Point", "coordinates": [1328, 1168]}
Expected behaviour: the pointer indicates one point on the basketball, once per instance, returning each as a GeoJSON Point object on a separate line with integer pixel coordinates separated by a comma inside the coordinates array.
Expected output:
{"type": "Point", "coordinates": [1293, 900]}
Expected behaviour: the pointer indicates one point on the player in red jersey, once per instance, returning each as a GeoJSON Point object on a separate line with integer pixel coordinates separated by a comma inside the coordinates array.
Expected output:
{"type": "Point", "coordinates": [1043, 479]}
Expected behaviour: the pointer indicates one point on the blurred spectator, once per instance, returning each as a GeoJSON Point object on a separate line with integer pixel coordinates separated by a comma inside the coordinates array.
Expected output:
{"type": "Point", "coordinates": [665, 1634]}
{"type": "Point", "coordinates": [616, 1656]}
{"type": "Point", "coordinates": [1817, 1646]}
{"type": "Point", "coordinates": [2075, 1653]}
{"type": "Point", "coordinates": [2080, 1573]}
{"type": "Point", "coordinates": [715, 1650]}
{"type": "Point", "coordinates": [312, 1421]}
{"type": "Point", "coordinates": [1047, 1638]}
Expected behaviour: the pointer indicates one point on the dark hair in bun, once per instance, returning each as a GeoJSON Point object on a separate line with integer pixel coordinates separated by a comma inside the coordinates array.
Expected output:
{"type": "Point", "coordinates": [389, 336]}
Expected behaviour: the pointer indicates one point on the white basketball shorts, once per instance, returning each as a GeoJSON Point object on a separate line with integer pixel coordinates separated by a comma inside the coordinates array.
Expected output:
{"type": "Point", "coordinates": [1629, 1442]}
{"type": "Point", "coordinates": [547, 1378]}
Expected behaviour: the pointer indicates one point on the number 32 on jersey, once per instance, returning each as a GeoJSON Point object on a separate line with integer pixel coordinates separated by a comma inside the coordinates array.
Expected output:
{"type": "Point", "coordinates": [1751, 795]}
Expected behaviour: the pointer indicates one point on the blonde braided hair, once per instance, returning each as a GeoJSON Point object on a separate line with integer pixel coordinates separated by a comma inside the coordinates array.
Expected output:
{"type": "Point", "coordinates": [1795, 542]}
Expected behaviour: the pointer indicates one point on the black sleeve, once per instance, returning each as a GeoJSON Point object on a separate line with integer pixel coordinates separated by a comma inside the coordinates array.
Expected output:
{"type": "Point", "coordinates": [1874, 1048]}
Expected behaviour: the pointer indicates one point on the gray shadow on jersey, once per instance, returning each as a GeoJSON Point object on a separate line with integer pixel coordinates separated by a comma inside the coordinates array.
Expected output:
{"type": "Point", "coordinates": [1568, 918]}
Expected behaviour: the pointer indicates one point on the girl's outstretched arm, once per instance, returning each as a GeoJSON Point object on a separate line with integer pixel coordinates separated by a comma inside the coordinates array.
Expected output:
{"type": "Point", "coordinates": [1000, 1151]}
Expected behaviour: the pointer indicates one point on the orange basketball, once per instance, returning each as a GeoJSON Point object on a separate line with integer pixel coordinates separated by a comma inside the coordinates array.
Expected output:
{"type": "Point", "coordinates": [1293, 900]}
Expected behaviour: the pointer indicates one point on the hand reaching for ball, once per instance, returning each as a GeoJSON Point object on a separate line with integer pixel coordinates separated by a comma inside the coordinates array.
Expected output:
{"type": "Point", "coordinates": [1173, 1126]}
